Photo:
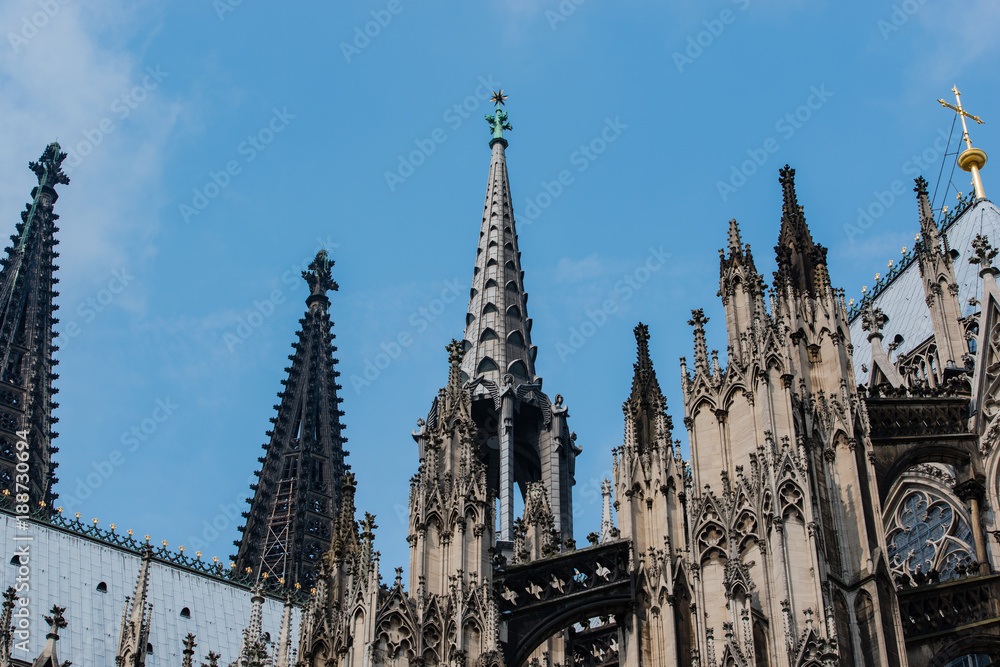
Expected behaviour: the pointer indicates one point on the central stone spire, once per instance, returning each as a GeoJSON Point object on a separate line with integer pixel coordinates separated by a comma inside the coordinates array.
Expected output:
{"type": "Point", "coordinates": [497, 327]}
{"type": "Point", "coordinates": [521, 436]}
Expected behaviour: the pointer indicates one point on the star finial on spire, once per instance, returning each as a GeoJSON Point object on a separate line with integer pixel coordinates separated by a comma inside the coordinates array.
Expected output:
{"type": "Point", "coordinates": [498, 120]}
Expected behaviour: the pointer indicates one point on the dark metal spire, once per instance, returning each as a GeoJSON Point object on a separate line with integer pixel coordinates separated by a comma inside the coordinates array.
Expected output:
{"type": "Point", "coordinates": [27, 319]}
{"type": "Point", "coordinates": [298, 493]}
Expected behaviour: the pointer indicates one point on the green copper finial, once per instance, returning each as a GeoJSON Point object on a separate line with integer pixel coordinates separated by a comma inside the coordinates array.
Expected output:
{"type": "Point", "coordinates": [498, 120]}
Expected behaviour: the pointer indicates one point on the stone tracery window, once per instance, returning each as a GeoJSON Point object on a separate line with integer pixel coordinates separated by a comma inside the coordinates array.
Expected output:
{"type": "Point", "coordinates": [928, 532]}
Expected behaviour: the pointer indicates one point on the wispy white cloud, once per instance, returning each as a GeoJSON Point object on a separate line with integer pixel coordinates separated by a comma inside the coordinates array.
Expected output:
{"type": "Point", "coordinates": [66, 75]}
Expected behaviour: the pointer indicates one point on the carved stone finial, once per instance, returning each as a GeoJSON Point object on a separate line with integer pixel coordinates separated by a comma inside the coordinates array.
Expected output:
{"type": "Point", "coordinates": [984, 252]}
{"type": "Point", "coordinates": [873, 319]}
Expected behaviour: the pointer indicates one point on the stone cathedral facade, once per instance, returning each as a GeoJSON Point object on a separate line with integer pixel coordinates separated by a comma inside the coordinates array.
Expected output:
{"type": "Point", "coordinates": [839, 505]}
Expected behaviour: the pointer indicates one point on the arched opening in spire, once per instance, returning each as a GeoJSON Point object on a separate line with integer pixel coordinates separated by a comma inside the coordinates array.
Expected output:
{"type": "Point", "coordinates": [508, 246]}
{"type": "Point", "coordinates": [491, 283]}
{"type": "Point", "coordinates": [514, 311]}
{"type": "Point", "coordinates": [518, 370]}
{"type": "Point", "coordinates": [466, 345]}
{"type": "Point", "coordinates": [492, 262]}
{"type": "Point", "coordinates": [493, 243]}
{"type": "Point", "coordinates": [489, 308]}
{"type": "Point", "coordinates": [511, 286]}
{"type": "Point", "coordinates": [469, 319]}
{"type": "Point", "coordinates": [473, 292]}
{"type": "Point", "coordinates": [486, 365]}
{"type": "Point", "coordinates": [515, 338]}
{"type": "Point", "coordinates": [510, 265]}
{"type": "Point", "coordinates": [488, 334]}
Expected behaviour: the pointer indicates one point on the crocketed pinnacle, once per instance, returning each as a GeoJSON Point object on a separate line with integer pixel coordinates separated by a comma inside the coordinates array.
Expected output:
{"type": "Point", "coordinates": [644, 383]}
{"type": "Point", "coordinates": [798, 257]}
{"type": "Point", "coordinates": [132, 639]}
{"type": "Point", "coordinates": [298, 490]}
{"type": "Point", "coordinates": [498, 330]}
{"type": "Point", "coordinates": [928, 228]}
{"type": "Point", "coordinates": [698, 321]}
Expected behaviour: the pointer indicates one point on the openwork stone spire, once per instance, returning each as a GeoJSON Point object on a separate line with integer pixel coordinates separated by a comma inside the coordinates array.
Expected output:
{"type": "Point", "coordinates": [498, 331]}
{"type": "Point", "coordinates": [798, 257]}
{"type": "Point", "coordinates": [27, 282]}
{"type": "Point", "coordinates": [293, 512]}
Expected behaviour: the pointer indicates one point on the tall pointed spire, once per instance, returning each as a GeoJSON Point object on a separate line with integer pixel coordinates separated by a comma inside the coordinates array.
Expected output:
{"type": "Point", "coordinates": [798, 257]}
{"type": "Point", "coordinates": [27, 282]}
{"type": "Point", "coordinates": [134, 635]}
{"type": "Point", "coordinates": [498, 330]}
{"type": "Point", "coordinates": [294, 509]}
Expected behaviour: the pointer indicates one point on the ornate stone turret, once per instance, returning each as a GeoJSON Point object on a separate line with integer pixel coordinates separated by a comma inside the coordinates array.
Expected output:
{"type": "Point", "coordinates": [134, 635]}
{"type": "Point", "coordinates": [297, 495]}
{"type": "Point", "coordinates": [27, 319]}
{"type": "Point", "coordinates": [525, 437]}
{"type": "Point", "coordinates": [255, 649]}
{"type": "Point", "coordinates": [782, 513]}
{"type": "Point", "coordinates": [339, 621]}
{"type": "Point", "coordinates": [649, 487]}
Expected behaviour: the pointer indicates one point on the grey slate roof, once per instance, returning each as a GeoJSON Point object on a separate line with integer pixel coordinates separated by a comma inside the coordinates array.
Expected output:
{"type": "Point", "coordinates": [903, 299]}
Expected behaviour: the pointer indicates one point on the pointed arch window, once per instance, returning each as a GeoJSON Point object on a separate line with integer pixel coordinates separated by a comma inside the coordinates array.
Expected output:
{"type": "Point", "coordinates": [514, 311]}
{"type": "Point", "coordinates": [493, 243]}
{"type": "Point", "coordinates": [472, 293]}
{"type": "Point", "coordinates": [518, 369]}
{"type": "Point", "coordinates": [469, 319]}
{"type": "Point", "coordinates": [492, 262]}
{"type": "Point", "coordinates": [508, 246]}
{"type": "Point", "coordinates": [509, 265]}
{"type": "Point", "coordinates": [185, 613]}
{"type": "Point", "coordinates": [486, 365]}
{"type": "Point", "coordinates": [488, 334]}
{"type": "Point", "coordinates": [515, 338]}
{"type": "Point", "coordinates": [489, 308]}
{"type": "Point", "coordinates": [491, 283]}
{"type": "Point", "coordinates": [511, 286]}
{"type": "Point", "coordinates": [102, 587]}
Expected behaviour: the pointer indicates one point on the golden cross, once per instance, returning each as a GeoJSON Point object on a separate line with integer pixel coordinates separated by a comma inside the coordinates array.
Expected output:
{"type": "Point", "coordinates": [962, 113]}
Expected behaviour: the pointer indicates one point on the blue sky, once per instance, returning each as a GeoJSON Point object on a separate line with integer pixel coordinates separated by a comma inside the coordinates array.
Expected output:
{"type": "Point", "coordinates": [215, 146]}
